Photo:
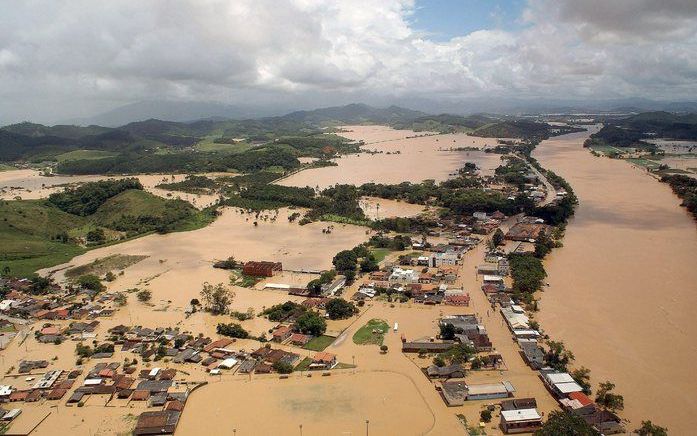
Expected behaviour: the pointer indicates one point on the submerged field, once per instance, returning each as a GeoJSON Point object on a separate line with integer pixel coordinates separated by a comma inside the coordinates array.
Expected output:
{"type": "Point", "coordinates": [404, 156]}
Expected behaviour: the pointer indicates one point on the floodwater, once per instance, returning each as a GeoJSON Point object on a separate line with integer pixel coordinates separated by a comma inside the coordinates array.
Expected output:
{"type": "Point", "coordinates": [419, 158]}
{"type": "Point", "coordinates": [623, 288]}
{"type": "Point", "coordinates": [179, 263]}
{"type": "Point", "coordinates": [29, 184]}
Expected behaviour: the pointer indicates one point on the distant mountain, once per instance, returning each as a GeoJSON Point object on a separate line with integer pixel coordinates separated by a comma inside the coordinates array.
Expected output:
{"type": "Point", "coordinates": [180, 111]}
{"type": "Point", "coordinates": [354, 113]}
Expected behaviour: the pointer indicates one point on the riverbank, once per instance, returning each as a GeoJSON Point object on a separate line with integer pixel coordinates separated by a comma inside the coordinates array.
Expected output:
{"type": "Point", "coordinates": [627, 270]}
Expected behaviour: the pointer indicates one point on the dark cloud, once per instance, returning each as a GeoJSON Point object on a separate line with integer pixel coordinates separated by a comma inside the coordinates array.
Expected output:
{"type": "Point", "coordinates": [66, 58]}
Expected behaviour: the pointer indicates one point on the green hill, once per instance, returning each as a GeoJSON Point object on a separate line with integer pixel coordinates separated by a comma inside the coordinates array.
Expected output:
{"type": "Point", "coordinates": [135, 212]}
{"type": "Point", "coordinates": [36, 234]}
{"type": "Point", "coordinates": [32, 235]}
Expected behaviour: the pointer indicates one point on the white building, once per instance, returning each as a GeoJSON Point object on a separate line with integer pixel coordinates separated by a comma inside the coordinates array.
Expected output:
{"type": "Point", "coordinates": [400, 275]}
{"type": "Point", "coordinates": [444, 259]}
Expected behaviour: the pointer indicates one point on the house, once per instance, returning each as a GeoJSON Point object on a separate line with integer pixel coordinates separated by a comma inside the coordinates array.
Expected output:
{"type": "Point", "coordinates": [520, 421]}
{"type": "Point", "coordinates": [489, 391]}
{"type": "Point", "coordinates": [526, 232]}
{"type": "Point", "coordinates": [160, 422]}
{"type": "Point", "coordinates": [560, 383]}
{"type": "Point", "coordinates": [403, 276]}
{"type": "Point", "coordinates": [454, 393]}
{"type": "Point", "coordinates": [532, 353]}
{"type": "Point", "coordinates": [449, 258]}
{"type": "Point", "coordinates": [323, 360]}
{"type": "Point", "coordinates": [334, 287]}
{"type": "Point", "coordinates": [488, 269]}
{"type": "Point", "coordinates": [450, 371]}
{"type": "Point", "coordinates": [262, 268]}
{"type": "Point", "coordinates": [426, 346]}
{"type": "Point", "coordinates": [300, 339]}
{"type": "Point", "coordinates": [457, 300]}
{"type": "Point", "coordinates": [519, 403]}
{"type": "Point", "coordinates": [281, 333]}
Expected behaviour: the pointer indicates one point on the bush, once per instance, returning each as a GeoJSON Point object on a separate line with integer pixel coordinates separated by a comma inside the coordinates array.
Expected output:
{"type": "Point", "coordinates": [144, 295]}
{"type": "Point", "coordinates": [283, 367]}
{"type": "Point", "coordinates": [338, 308]}
{"type": "Point", "coordinates": [232, 330]}
{"type": "Point", "coordinates": [311, 323]}
{"type": "Point", "coordinates": [91, 282]}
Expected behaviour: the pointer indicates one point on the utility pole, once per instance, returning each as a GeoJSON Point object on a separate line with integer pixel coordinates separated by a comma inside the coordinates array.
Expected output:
{"type": "Point", "coordinates": [367, 423]}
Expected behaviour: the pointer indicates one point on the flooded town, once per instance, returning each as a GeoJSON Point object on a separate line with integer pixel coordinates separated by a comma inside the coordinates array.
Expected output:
{"type": "Point", "coordinates": [204, 230]}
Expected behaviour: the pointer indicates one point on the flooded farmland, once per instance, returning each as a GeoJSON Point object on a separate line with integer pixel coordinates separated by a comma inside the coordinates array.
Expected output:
{"type": "Point", "coordinates": [402, 156]}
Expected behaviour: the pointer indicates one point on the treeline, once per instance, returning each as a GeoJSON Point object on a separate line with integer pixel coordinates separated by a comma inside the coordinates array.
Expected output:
{"type": "Point", "coordinates": [190, 162]}
{"type": "Point", "coordinates": [192, 183]}
{"type": "Point", "coordinates": [340, 200]}
{"type": "Point", "coordinates": [320, 146]}
{"type": "Point", "coordinates": [86, 199]}
{"type": "Point", "coordinates": [684, 187]}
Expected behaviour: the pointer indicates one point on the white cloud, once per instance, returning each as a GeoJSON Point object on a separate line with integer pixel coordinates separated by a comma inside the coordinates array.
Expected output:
{"type": "Point", "coordinates": [59, 58]}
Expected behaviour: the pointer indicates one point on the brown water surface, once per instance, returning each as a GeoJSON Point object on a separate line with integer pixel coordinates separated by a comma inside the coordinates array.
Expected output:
{"type": "Point", "coordinates": [623, 289]}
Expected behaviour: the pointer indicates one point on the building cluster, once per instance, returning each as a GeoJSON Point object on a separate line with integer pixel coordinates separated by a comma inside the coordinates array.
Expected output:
{"type": "Point", "coordinates": [59, 305]}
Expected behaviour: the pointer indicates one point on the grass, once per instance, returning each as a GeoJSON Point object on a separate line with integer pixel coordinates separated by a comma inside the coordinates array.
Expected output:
{"type": "Point", "coordinates": [380, 253]}
{"type": "Point", "coordinates": [344, 220]}
{"type": "Point", "coordinates": [29, 228]}
{"type": "Point", "coordinates": [103, 265]}
{"type": "Point", "coordinates": [372, 333]}
{"type": "Point", "coordinates": [320, 343]}
{"type": "Point", "coordinates": [644, 163]}
{"type": "Point", "coordinates": [304, 365]}
{"type": "Point", "coordinates": [4, 167]}
{"type": "Point", "coordinates": [83, 155]}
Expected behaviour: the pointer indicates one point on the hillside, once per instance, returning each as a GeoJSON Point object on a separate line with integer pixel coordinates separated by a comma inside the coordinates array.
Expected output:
{"type": "Point", "coordinates": [443, 123]}
{"type": "Point", "coordinates": [36, 234]}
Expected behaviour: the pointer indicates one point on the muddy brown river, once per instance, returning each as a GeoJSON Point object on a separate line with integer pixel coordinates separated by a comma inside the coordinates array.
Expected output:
{"type": "Point", "coordinates": [623, 289]}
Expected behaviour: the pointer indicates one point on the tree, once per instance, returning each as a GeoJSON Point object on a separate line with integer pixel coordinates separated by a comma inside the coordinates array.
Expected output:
{"type": "Point", "coordinates": [608, 399]}
{"type": "Point", "coordinates": [338, 308]}
{"type": "Point", "coordinates": [560, 423]}
{"type": "Point", "coordinates": [485, 415]}
{"type": "Point", "coordinates": [447, 331]}
{"type": "Point", "coordinates": [582, 376]}
{"type": "Point", "coordinates": [369, 264]}
{"type": "Point", "coordinates": [439, 361]}
{"type": "Point", "coordinates": [497, 237]}
{"type": "Point", "coordinates": [110, 276]}
{"type": "Point", "coordinates": [345, 261]}
{"type": "Point", "coordinates": [650, 429]}
{"type": "Point", "coordinates": [558, 357]}
{"type": "Point", "coordinates": [383, 348]}
{"type": "Point", "coordinates": [96, 236]}
{"type": "Point", "coordinates": [283, 367]}
{"type": "Point", "coordinates": [232, 330]}
{"type": "Point", "coordinates": [217, 298]}
{"type": "Point", "coordinates": [144, 295]}
{"type": "Point", "coordinates": [311, 323]}
{"type": "Point", "coordinates": [120, 299]}
{"type": "Point", "coordinates": [91, 282]}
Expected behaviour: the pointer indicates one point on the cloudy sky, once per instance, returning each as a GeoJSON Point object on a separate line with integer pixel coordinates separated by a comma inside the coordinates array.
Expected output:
{"type": "Point", "coordinates": [70, 58]}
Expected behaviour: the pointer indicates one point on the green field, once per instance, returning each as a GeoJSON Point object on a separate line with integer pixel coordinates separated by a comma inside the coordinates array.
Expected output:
{"type": "Point", "coordinates": [373, 333]}
{"type": "Point", "coordinates": [380, 253]}
{"type": "Point", "coordinates": [4, 167]}
{"type": "Point", "coordinates": [208, 145]}
{"type": "Point", "coordinates": [83, 155]}
{"type": "Point", "coordinates": [103, 265]}
{"type": "Point", "coordinates": [644, 163]}
{"type": "Point", "coordinates": [606, 149]}
{"type": "Point", "coordinates": [319, 343]}
{"type": "Point", "coordinates": [34, 234]}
